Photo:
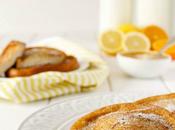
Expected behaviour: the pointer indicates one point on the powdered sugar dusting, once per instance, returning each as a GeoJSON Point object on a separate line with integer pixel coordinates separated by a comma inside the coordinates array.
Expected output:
{"type": "Point", "coordinates": [128, 118]}
{"type": "Point", "coordinates": [153, 117]}
{"type": "Point", "coordinates": [90, 126]}
{"type": "Point", "coordinates": [168, 104]}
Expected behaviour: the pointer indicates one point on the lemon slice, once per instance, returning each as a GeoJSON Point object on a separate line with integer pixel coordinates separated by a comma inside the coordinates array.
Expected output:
{"type": "Point", "coordinates": [136, 42]}
{"type": "Point", "coordinates": [126, 28]}
{"type": "Point", "coordinates": [111, 41]}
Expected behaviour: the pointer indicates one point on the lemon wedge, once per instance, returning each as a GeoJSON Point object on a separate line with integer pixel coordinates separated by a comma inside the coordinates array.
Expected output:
{"type": "Point", "coordinates": [126, 28]}
{"type": "Point", "coordinates": [111, 41]}
{"type": "Point", "coordinates": [136, 42]}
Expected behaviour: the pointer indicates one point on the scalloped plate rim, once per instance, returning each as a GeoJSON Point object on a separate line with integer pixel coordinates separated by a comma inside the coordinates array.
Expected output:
{"type": "Point", "coordinates": [112, 94]}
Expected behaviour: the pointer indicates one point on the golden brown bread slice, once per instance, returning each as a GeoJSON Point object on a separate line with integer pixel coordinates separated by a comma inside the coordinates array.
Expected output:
{"type": "Point", "coordinates": [128, 116]}
{"type": "Point", "coordinates": [41, 49]}
{"type": "Point", "coordinates": [166, 101]}
{"type": "Point", "coordinates": [38, 56]}
{"type": "Point", "coordinates": [69, 64]}
{"type": "Point", "coordinates": [9, 55]}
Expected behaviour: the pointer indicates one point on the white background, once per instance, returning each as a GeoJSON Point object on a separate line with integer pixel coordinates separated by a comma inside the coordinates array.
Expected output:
{"type": "Point", "coordinates": [174, 17]}
{"type": "Point", "coordinates": [40, 16]}
{"type": "Point", "coordinates": [50, 16]}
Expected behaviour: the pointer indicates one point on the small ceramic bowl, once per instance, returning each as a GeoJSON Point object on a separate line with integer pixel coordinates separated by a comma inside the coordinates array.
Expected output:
{"type": "Point", "coordinates": [143, 65]}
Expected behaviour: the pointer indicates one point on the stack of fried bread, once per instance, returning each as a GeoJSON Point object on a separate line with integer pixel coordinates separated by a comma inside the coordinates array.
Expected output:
{"type": "Point", "coordinates": [152, 113]}
{"type": "Point", "coordinates": [18, 60]}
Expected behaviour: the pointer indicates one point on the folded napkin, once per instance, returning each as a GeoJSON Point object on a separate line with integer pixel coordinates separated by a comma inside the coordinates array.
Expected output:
{"type": "Point", "coordinates": [51, 84]}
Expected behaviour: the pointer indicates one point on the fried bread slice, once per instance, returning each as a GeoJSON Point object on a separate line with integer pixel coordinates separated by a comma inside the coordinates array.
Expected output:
{"type": "Point", "coordinates": [126, 117]}
{"type": "Point", "coordinates": [166, 101]}
{"type": "Point", "coordinates": [13, 50]}
{"type": "Point", "coordinates": [38, 56]}
{"type": "Point", "coordinates": [69, 64]}
{"type": "Point", "coordinates": [42, 49]}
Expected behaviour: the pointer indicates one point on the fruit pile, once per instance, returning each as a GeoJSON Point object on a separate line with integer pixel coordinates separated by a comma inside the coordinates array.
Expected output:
{"type": "Point", "coordinates": [129, 38]}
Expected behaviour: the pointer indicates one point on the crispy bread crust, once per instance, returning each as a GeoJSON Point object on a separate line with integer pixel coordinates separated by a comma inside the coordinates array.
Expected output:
{"type": "Point", "coordinates": [38, 56]}
{"type": "Point", "coordinates": [69, 64]}
{"type": "Point", "coordinates": [8, 57]}
{"type": "Point", "coordinates": [156, 98]}
{"type": "Point", "coordinates": [85, 120]}
{"type": "Point", "coordinates": [166, 101]}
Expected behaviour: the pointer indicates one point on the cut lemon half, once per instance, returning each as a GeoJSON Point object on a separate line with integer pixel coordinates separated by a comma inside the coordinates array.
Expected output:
{"type": "Point", "coordinates": [155, 33]}
{"type": "Point", "coordinates": [136, 42]}
{"type": "Point", "coordinates": [126, 28]}
{"type": "Point", "coordinates": [111, 41]}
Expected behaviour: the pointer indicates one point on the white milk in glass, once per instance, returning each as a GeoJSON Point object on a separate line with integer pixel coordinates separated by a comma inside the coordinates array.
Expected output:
{"type": "Point", "coordinates": [157, 12]}
{"type": "Point", "coordinates": [173, 31]}
{"type": "Point", "coordinates": [114, 12]}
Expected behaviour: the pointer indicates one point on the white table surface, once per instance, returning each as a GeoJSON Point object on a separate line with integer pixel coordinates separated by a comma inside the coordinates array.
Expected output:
{"type": "Point", "coordinates": [11, 115]}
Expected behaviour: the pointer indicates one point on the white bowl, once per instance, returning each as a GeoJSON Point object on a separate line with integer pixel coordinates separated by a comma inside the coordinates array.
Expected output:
{"type": "Point", "coordinates": [143, 68]}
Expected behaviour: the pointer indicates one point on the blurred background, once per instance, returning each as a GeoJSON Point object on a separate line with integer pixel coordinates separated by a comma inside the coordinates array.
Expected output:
{"type": "Point", "coordinates": [48, 16]}
{"type": "Point", "coordinates": [59, 16]}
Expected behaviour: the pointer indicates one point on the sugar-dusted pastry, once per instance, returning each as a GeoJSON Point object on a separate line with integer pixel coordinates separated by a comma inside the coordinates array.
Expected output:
{"type": "Point", "coordinates": [126, 117]}
{"type": "Point", "coordinates": [166, 101]}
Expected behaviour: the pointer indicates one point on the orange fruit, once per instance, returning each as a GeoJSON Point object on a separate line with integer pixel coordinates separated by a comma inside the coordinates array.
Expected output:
{"type": "Point", "coordinates": [172, 56]}
{"type": "Point", "coordinates": [157, 45]}
{"type": "Point", "coordinates": [155, 33]}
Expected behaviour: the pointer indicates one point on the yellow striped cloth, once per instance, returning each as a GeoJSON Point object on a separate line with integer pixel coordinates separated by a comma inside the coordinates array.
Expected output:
{"type": "Point", "coordinates": [51, 84]}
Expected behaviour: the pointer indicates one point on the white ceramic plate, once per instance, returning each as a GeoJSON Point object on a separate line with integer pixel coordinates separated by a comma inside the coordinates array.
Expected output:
{"type": "Point", "coordinates": [61, 116]}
